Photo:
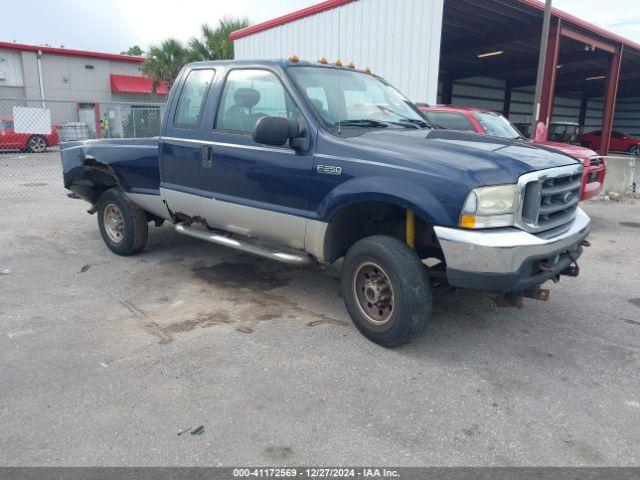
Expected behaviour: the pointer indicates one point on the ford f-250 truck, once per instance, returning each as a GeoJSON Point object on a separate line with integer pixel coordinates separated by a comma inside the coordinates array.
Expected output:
{"type": "Point", "coordinates": [309, 163]}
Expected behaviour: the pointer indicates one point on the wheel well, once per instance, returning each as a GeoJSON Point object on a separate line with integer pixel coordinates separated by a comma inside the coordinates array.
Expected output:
{"type": "Point", "coordinates": [96, 179]}
{"type": "Point", "coordinates": [363, 219]}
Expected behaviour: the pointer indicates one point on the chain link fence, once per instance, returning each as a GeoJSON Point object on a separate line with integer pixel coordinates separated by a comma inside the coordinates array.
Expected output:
{"type": "Point", "coordinates": [31, 132]}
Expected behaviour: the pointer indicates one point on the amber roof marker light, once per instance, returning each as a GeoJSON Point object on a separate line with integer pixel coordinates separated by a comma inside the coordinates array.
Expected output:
{"type": "Point", "coordinates": [294, 58]}
{"type": "Point", "coordinates": [337, 63]}
{"type": "Point", "coordinates": [351, 65]}
{"type": "Point", "coordinates": [323, 60]}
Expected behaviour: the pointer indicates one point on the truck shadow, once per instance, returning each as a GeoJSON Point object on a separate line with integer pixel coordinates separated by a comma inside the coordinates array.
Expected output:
{"type": "Point", "coordinates": [270, 290]}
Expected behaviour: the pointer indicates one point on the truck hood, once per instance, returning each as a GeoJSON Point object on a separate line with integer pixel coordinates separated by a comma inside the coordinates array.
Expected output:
{"type": "Point", "coordinates": [490, 160]}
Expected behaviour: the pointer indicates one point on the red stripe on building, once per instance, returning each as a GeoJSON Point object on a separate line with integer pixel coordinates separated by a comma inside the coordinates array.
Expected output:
{"type": "Point", "coordinates": [538, 5]}
{"type": "Point", "coordinates": [290, 17]}
{"type": "Point", "coordinates": [66, 51]}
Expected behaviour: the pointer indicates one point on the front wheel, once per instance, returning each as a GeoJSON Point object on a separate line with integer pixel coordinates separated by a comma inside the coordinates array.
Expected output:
{"type": "Point", "coordinates": [124, 226]}
{"type": "Point", "coordinates": [386, 290]}
{"type": "Point", "coordinates": [635, 150]}
{"type": "Point", "coordinates": [587, 145]}
{"type": "Point", "coordinates": [37, 144]}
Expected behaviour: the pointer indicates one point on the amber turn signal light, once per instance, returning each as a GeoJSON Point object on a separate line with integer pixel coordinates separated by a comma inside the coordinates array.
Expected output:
{"type": "Point", "coordinates": [467, 221]}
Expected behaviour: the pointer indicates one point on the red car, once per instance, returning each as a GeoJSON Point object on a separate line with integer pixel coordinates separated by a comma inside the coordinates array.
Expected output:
{"type": "Point", "coordinates": [488, 122]}
{"type": "Point", "coordinates": [31, 142]}
{"type": "Point", "coordinates": [620, 142]}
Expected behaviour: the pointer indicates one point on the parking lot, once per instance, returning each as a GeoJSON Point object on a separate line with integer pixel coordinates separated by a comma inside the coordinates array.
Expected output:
{"type": "Point", "coordinates": [106, 359]}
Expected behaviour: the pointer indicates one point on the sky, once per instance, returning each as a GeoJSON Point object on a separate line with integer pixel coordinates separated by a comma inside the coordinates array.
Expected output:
{"type": "Point", "coordinates": [114, 25]}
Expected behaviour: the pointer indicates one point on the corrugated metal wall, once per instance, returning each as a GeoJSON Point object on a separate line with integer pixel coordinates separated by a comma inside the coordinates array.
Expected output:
{"type": "Point", "coordinates": [381, 34]}
{"type": "Point", "coordinates": [375, 33]}
{"type": "Point", "coordinates": [627, 116]}
{"type": "Point", "coordinates": [488, 93]}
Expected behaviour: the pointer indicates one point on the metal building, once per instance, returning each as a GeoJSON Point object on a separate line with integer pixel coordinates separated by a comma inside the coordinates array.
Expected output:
{"type": "Point", "coordinates": [41, 73]}
{"type": "Point", "coordinates": [375, 33]}
{"type": "Point", "coordinates": [78, 86]}
{"type": "Point", "coordinates": [479, 53]}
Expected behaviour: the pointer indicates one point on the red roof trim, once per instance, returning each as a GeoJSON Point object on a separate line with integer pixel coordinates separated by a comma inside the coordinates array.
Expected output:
{"type": "Point", "coordinates": [583, 24]}
{"type": "Point", "coordinates": [66, 51]}
{"type": "Point", "coordinates": [135, 84]}
{"type": "Point", "coordinates": [290, 17]}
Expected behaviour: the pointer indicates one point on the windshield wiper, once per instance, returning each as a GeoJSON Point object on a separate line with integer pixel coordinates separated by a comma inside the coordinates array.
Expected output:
{"type": "Point", "coordinates": [403, 118]}
{"type": "Point", "coordinates": [363, 122]}
{"type": "Point", "coordinates": [415, 121]}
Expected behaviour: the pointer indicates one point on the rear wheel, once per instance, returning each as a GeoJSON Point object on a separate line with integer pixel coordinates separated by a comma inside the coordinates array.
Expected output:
{"type": "Point", "coordinates": [635, 150]}
{"type": "Point", "coordinates": [386, 290]}
{"type": "Point", "coordinates": [587, 145]}
{"type": "Point", "coordinates": [123, 225]}
{"type": "Point", "coordinates": [37, 144]}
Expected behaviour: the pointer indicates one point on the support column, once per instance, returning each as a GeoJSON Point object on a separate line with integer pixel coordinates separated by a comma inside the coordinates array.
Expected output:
{"type": "Point", "coordinates": [506, 104]}
{"type": "Point", "coordinates": [549, 79]}
{"type": "Point", "coordinates": [582, 117]}
{"type": "Point", "coordinates": [610, 95]}
{"type": "Point", "coordinates": [96, 113]}
{"type": "Point", "coordinates": [447, 91]}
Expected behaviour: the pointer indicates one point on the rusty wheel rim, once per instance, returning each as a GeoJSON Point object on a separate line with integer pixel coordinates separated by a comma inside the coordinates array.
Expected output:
{"type": "Point", "coordinates": [113, 223]}
{"type": "Point", "coordinates": [373, 292]}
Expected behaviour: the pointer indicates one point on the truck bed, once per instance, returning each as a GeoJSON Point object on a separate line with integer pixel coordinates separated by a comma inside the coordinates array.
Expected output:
{"type": "Point", "coordinates": [133, 161]}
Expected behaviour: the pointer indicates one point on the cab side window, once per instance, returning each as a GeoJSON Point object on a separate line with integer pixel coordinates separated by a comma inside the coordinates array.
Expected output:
{"type": "Point", "coordinates": [191, 101]}
{"type": "Point", "coordinates": [450, 121]}
{"type": "Point", "coordinates": [250, 95]}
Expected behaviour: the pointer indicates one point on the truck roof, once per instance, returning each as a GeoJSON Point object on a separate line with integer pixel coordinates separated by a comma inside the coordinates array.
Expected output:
{"type": "Point", "coordinates": [278, 62]}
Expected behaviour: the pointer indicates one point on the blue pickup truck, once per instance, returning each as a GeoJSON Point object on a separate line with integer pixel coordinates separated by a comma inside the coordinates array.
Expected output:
{"type": "Point", "coordinates": [309, 163]}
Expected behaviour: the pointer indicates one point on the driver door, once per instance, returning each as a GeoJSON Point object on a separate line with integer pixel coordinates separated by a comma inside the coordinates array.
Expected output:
{"type": "Point", "coordinates": [254, 189]}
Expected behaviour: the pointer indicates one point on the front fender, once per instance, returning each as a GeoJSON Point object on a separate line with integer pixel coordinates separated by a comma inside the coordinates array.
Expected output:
{"type": "Point", "coordinates": [396, 191]}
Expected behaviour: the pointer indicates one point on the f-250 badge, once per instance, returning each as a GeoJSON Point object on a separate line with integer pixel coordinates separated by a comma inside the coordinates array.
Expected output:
{"type": "Point", "coordinates": [329, 169]}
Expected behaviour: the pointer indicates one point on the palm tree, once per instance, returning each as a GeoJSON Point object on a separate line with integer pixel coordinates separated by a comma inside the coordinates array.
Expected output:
{"type": "Point", "coordinates": [214, 44]}
{"type": "Point", "coordinates": [134, 51]}
{"type": "Point", "coordinates": [164, 62]}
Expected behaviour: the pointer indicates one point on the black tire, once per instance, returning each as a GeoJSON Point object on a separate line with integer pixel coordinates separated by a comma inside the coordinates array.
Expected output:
{"type": "Point", "coordinates": [37, 144]}
{"type": "Point", "coordinates": [410, 288]}
{"type": "Point", "coordinates": [133, 227]}
{"type": "Point", "coordinates": [587, 144]}
{"type": "Point", "coordinates": [634, 150]}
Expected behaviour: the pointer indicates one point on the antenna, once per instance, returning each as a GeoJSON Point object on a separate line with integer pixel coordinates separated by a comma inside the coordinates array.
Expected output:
{"type": "Point", "coordinates": [339, 69]}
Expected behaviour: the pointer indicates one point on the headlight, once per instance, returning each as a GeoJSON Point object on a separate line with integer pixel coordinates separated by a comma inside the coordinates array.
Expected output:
{"type": "Point", "coordinates": [487, 207]}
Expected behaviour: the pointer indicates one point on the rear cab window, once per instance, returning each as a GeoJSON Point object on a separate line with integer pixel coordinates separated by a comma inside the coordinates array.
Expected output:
{"type": "Point", "coordinates": [192, 97]}
{"type": "Point", "coordinates": [450, 120]}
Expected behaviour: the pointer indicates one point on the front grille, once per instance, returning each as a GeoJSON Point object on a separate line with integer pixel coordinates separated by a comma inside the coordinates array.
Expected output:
{"type": "Point", "coordinates": [551, 200]}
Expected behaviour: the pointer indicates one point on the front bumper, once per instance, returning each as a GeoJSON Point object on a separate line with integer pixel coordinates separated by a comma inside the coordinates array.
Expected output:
{"type": "Point", "coordinates": [506, 259]}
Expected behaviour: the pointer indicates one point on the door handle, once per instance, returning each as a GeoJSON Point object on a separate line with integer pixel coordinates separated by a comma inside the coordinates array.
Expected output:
{"type": "Point", "coordinates": [206, 155]}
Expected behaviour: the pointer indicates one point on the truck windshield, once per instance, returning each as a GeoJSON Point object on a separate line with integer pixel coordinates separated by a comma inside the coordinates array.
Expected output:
{"type": "Point", "coordinates": [496, 125]}
{"type": "Point", "coordinates": [355, 99]}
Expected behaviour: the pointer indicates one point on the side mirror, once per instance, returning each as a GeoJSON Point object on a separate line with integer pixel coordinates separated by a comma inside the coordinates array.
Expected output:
{"type": "Point", "coordinates": [275, 131]}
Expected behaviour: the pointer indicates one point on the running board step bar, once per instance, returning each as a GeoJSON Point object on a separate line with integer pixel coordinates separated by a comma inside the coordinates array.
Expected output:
{"type": "Point", "coordinates": [246, 244]}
